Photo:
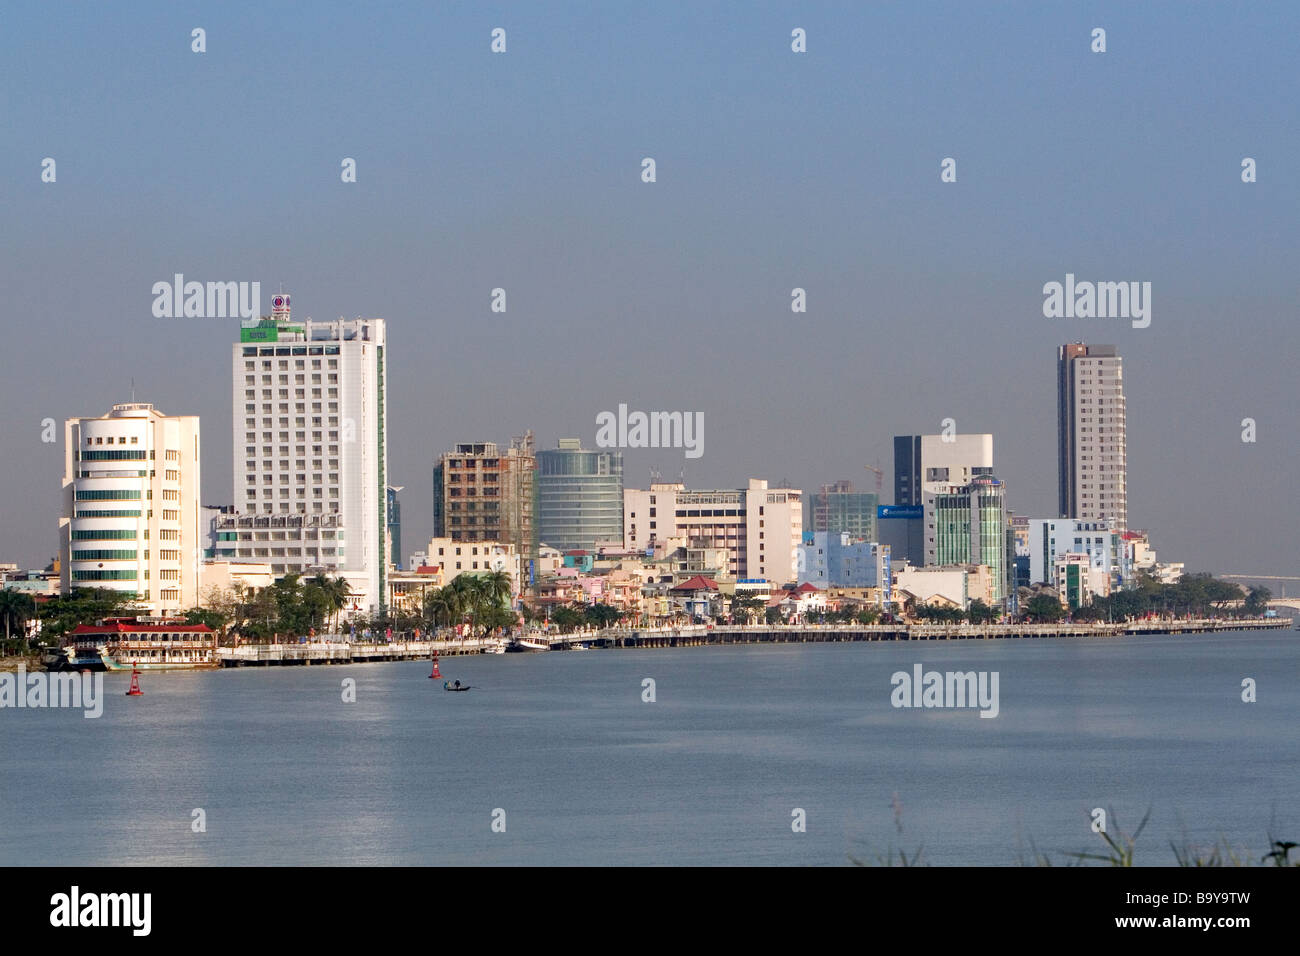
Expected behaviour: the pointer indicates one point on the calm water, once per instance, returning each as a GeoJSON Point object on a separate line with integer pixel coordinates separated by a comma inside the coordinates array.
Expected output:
{"type": "Point", "coordinates": [708, 774]}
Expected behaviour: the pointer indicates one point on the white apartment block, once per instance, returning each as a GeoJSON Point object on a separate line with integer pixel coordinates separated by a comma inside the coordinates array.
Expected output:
{"type": "Point", "coordinates": [760, 528]}
{"type": "Point", "coordinates": [1095, 544]}
{"type": "Point", "coordinates": [310, 451]}
{"type": "Point", "coordinates": [1092, 422]}
{"type": "Point", "coordinates": [131, 512]}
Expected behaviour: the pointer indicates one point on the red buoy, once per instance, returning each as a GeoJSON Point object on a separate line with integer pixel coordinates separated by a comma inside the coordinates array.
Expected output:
{"type": "Point", "coordinates": [135, 690]}
{"type": "Point", "coordinates": [437, 674]}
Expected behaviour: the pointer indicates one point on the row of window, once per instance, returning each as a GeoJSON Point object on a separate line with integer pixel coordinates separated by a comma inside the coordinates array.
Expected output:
{"type": "Point", "coordinates": [115, 454]}
{"type": "Point", "coordinates": [307, 535]}
{"type": "Point", "coordinates": [105, 555]}
{"type": "Point", "coordinates": [121, 440]}
{"type": "Point", "coordinates": [297, 379]}
{"type": "Point", "coordinates": [301, 493]}
{"type": "Point", "coordinates": [298, 436]}
{"type": "Point", "coordinates": [300, 409]}
{"type": "Point", "coordinates": [297, 363]}
{"type": "Point", "coordinates": [251, 466]}
{"type": "Point", "coordinates": [105, 575]}
{"type": "Point", "coordinates": [287, 552]}
{"type": "Point", "coordinates": [283, 393]}
{"type": "Point", "coordinates": [301, 508]}
{"type": "Point", "coordinates": [108, 494]}
{"type": "Point", "coordinates": [269, 450]}
{"type": "Point", "coordinates": [108, 514]}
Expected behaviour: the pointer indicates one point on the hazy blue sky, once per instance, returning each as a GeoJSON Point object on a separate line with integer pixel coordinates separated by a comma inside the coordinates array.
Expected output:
{"type": "Point", "coordinates": [775, 170]}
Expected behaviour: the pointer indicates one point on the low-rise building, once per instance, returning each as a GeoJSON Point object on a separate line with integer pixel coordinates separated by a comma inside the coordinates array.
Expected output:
{"type": "Point", "coordinates": [1050, 538]}
{"type": "Point", "coordinates": [469, 557]}
{"type": "Point", "coordinates": [830, 559]}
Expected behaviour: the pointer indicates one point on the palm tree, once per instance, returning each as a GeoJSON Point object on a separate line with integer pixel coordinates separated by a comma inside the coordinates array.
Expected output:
{"type": "Point", "coordinates": [468, 592]}
{"type": "Point", "coordinates": [444, 605]}
{"type": "Point", "coordinates": [334, 593]}
{"type": "Point", "coordinates": [17, 609]}
{"type": "Point", "coordinates": [497, 586]}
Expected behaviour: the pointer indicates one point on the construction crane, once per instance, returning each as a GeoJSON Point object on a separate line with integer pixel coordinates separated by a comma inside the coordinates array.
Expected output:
{"type": "Point", "coordinates": [880, 478]}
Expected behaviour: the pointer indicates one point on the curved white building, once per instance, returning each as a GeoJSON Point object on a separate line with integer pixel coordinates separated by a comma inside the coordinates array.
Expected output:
{"type": "Point", "coordinates": [131, 507]}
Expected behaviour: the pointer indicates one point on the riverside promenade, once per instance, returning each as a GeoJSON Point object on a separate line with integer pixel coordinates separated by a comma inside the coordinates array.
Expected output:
{"type": "Point", "coordinates": [701, 635]}
{"type": "Point", "coordinates": [347, 652]}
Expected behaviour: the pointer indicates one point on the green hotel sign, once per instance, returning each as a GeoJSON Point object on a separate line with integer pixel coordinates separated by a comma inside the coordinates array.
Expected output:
{"type": "Point", "coordinates": [268, 332]}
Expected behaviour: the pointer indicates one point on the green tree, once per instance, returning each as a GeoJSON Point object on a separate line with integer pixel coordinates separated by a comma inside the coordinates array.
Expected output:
{"type": "Point", "coordinates": [602, 615]}
{"type": "Point", "coordinates": [64, 612]}
{"type": "Point", "coordinates": [980, 613]}
{"type": "Point", "coordinates": [1257, 600]}
{"type": "Point", "coordinates": [1044, 609]}
{"type": "Point", "coordinates": [214, 619]}
{"type": "Point", "coordinates": [745, 607]}
{"type": "Point", "coordinates": [567, 618]}
{"type": "Point", "coordinates": [443, 606]}
{"type": "Point", "coordinates": [16, 608]}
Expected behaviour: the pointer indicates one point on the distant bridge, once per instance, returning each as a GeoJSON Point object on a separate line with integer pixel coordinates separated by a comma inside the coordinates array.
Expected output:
{"type": "Point", "coordinates": [1261, 577]}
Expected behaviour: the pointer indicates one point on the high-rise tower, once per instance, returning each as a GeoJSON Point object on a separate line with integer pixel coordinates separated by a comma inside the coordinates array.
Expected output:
{"type": "Point", "coordinates": [310, 449]}
{"type": "Point", "coordinates": [1091, 429]}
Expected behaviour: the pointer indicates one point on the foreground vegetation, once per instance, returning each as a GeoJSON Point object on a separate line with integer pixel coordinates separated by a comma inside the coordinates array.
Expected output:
{"type": "Point", "coordinates": [1118, 849]}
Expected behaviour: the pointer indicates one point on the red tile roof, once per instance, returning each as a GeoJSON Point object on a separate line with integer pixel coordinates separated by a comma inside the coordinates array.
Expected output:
{"type": "Point", "coordinates": [697, 583]}
{"type": "Point", "coordinates": [120, 628]}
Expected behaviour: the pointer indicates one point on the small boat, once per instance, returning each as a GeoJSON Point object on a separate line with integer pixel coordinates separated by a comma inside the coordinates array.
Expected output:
{"type": "Point", "coordinates": [527, 644]}
{"type": "Point", "coordinates": [457, 686]}
{"type": "Point", "coordinates": [494, 649]}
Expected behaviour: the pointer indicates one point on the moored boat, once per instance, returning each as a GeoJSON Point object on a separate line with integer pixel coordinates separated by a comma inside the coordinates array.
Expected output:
{"type": "Point", "coordinates": [120, 644]}
{"type": "Point", "coordinates": [520, 644]}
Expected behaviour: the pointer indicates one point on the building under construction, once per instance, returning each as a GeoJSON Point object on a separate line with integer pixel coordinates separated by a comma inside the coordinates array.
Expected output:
{"type": "Point", "coordinates": [837, 507]}
{"type": "Point", "coordinates": [483, 494]}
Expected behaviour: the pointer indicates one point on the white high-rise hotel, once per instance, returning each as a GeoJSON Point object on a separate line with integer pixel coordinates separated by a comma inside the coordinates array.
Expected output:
{"type": "Point", "coordinates": [1092, 434]}
{"type": "Point", "coordinates": [310, 450]}
{"type": "Point", "coordinates": [131, 507]}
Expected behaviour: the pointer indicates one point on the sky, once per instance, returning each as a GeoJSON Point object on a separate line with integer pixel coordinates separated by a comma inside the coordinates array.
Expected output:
{"type": "Point", "coordinates": [775, 170]}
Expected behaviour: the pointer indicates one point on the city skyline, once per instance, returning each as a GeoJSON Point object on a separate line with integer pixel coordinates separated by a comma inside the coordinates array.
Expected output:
{"type": "Point", "coordinates": [972, 447]}
{"type": "Point", "coordinates": [925, 298]}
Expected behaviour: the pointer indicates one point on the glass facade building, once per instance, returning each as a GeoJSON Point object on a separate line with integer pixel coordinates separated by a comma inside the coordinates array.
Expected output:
{"type": "Point", "coordinates": [579, 496]}
{"type": "Point", "coordinates": [968, 525]}
{"type": "Point", "coordinates": [838, 508]}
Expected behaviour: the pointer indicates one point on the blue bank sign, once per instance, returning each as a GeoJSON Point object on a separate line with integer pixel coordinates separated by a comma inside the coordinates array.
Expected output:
{"type": "Point", "coordinates": [900, 511]}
